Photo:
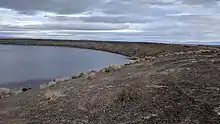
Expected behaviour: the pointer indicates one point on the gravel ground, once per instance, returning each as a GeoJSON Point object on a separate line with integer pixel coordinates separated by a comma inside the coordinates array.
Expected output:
{"type": "Point", "coordinates": [173, 84]}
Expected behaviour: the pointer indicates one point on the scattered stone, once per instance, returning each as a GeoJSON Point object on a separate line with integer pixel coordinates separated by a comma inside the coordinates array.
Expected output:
{"type": "Point", "coordinates": [155, 98]}
{"type": "Point", "coordinates": [149, 117]}
{"type": "Point", "coordinates": [217, 110]}
{"type": "Point", "coordinates": [194, 61]}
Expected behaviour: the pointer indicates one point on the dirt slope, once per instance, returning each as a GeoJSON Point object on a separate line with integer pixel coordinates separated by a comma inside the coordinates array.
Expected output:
{"type": "Point", "coordinates": [180, 85]}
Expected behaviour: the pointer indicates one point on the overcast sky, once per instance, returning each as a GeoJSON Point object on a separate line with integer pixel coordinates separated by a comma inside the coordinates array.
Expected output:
{"type": "Point", "coordinates": [126, 20]}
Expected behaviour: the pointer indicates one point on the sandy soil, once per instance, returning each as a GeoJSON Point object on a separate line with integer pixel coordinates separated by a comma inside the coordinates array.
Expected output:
{"type": "Point", "coordinates": [174, 84]}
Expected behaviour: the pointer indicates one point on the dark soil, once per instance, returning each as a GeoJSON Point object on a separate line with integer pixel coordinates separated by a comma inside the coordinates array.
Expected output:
{"type": "Point", "coordinates": [175, 84]}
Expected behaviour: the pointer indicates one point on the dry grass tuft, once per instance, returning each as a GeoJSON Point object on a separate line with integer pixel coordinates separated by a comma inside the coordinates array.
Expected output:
{"type": "Point", "coordinates": [138, 60]}
{"type": "Point", "coordinates": [90, 75]}
{"type": "Point", "coordinates": [62, 79]}
{"type": "Point", "coordinates": [52, 95]}
{"type": "Point", "coordinates": [5, 92]}
{"type": "Point", "coordinates": [128, 95]}
{"type": "Point", "coordinates": [47, 85]}
{"type": "Point", "coordinates": [113, 67]}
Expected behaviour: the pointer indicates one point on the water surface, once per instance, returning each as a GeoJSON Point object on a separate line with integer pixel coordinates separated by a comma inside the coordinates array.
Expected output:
{"type": "Point", "coordinates": [34, 64]}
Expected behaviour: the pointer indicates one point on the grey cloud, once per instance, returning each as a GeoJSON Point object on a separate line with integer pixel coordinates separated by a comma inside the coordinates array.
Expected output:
{"type": "Point", "coordinates": [202, 2]}
{"type": "Point", "coordinates": [107, 19]}
{"type": "Point", "coordinates": [197, 20]}
{"type": "Point", "coordinates": [152, 20]}
{"type": "Point", "coordinates": [60, 6]}
{"type": "Point", "coordinates": [76, 26]}
{"type": "Point", "coordinates": [77, 6]}
{"type": "Point", "coordinates": [84, 26]}
{"type": "Point", "coordinates": [119, 19]}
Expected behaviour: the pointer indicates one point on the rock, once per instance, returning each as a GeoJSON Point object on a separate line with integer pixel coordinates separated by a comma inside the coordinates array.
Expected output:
{"type": "Point", "coordinates": [217, 110]}
{"type": "Point", "coordinates": [25, 89]}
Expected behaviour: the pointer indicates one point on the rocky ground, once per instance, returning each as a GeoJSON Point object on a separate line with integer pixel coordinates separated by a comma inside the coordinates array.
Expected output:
{"type": "Point", "coordinates": [170, 84]}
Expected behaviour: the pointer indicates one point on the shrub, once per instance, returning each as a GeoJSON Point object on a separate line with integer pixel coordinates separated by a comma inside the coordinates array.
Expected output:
{"type": "Point", "coordinates": [106, 70]}
{"type": "Point", "coordinates": [77, 76]}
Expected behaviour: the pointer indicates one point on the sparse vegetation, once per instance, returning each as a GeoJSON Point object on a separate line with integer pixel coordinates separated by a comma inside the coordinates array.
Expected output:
{"type": "Point", "coordinates": [52, 95]}
{"type": "Point", "coordinates": [128, 95]}
{"type": "Point", "coordinates": [106, 70]}
{"type": "Point", "coordinates": [62, 79]}
{"type": "Point", "coordinates": [90, 75]}
{"type": "Point", "coordinates": [146, 95]}
{"type": "Point", "coordinates": [47, 85]}
{"type": "Point", "coordinates": [5, 92]}
{"type": "Point", "coordinates": [113, 67]}
{"type": "Point", "coordinates": [79, 75]}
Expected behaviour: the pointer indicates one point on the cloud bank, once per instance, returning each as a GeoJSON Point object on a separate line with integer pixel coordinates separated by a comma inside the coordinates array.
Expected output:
{"type": "Point", "coordinates": [171, 21]}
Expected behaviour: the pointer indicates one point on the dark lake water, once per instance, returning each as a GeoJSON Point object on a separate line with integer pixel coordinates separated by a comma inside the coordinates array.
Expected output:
{"type": "Point", "coordinates": [22, 65]}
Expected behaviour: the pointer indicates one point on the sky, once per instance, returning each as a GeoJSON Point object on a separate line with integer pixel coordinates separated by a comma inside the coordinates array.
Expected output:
{"type": "Point", "coordinates": [169, 21]}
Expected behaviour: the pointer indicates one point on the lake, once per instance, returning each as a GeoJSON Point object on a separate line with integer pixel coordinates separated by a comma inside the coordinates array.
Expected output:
{"type": "Point", "coordinates": [32, 65]}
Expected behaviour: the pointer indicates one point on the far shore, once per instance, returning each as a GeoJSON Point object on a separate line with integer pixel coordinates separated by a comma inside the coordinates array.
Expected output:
{"type": "Point", "coordinates": [130, 49]}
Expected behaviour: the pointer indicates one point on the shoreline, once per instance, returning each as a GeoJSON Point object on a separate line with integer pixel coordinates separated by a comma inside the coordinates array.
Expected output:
{"type": "Point", "coordinates": [167, 84]}
{"type": "Point", "coordinates": [91, 45]}
{"type": "Point", "coordinates": [24, 84]}
{"type": "Point", "coordinates": [16, 88]}
{"type": "Point", "coordinates": [123, 48]}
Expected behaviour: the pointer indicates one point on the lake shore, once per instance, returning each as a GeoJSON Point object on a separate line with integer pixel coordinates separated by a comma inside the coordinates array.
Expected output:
{"type": "Point", "coordinates": [131, 49]}
{"type": "Point", "coordinates": [166, 84]}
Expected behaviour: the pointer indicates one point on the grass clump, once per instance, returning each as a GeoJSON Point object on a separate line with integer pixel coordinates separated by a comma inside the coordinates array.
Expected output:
{"type": "Point", "coordinates": [52, 95]}
{"type": "Point", "coordinates": [106, 70]}
{"type": "Point", "coordinates": [90, 75]}
{"type": "Point", "coordinates": [110, 68]}
{"type": "Point", "coordinates": [47, 85]}
{"type": "Point", "coordinates": [62, 79]}
{"type": "Point", "coordinates": [5, 92]}
{"type": "Point", "coordinates": [127, 95]}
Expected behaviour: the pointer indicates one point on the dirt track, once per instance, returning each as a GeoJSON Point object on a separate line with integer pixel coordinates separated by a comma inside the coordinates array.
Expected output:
{"type": "Point", "coordinates": [175, 84]}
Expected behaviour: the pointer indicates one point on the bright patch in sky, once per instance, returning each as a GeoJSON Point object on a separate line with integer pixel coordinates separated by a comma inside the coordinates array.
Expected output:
{"type": "Point", "coordinates": [176, 21]}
